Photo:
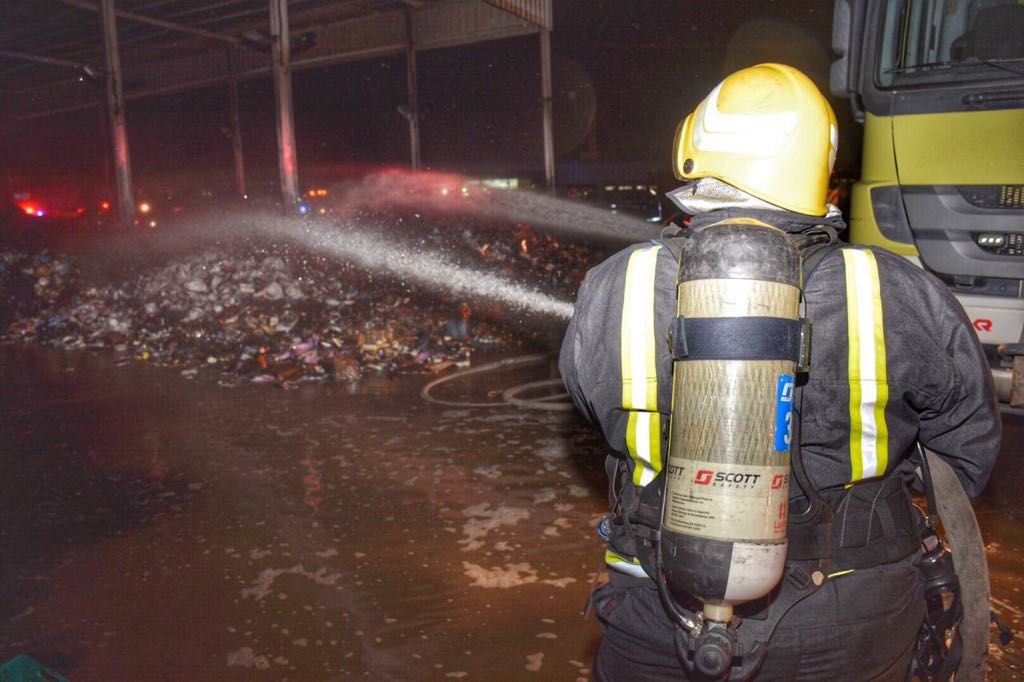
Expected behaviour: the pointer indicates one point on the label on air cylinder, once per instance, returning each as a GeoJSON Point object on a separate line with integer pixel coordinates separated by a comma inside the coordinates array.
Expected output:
{"type": "Point", "coordinates": [784, 390]}
{"type": "Point", "coordinates": [726, 501]}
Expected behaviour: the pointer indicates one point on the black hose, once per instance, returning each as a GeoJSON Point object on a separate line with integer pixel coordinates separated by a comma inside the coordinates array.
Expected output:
{"type": "Point", "coordinates": [509, 396]}
{"type": "Point", "coordinates": [971, 564]}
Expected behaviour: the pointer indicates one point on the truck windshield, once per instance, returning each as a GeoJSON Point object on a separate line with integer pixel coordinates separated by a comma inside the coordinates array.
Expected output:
{"type": "Point", "coordinates": [935, 42]}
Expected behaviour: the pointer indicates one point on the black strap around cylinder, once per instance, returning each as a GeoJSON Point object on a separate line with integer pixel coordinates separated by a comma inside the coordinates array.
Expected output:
{"type": "Point", "coordinates": [737, 338]}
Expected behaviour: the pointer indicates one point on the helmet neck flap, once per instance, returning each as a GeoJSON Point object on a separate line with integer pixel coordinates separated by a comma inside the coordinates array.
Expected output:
{"type": "Point", "coordinates": [709, 200]}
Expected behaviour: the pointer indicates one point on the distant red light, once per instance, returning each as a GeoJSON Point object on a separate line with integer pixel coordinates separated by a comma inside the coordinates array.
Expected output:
{"type": "Point", "coordinates": [105, 205]}
{"type": "Point", "coordinates": [31, 208]}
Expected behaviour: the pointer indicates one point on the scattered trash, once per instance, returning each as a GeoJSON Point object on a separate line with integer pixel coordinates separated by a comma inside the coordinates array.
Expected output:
{"type": "Point", "coordinates": [279, 314]}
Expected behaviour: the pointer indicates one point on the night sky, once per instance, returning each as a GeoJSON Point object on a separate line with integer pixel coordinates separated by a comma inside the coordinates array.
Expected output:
{"type": "Point", "coordinates": [624, 74]}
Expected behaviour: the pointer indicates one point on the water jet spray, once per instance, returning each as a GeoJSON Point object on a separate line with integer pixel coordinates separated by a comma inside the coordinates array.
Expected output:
{"type": "Point", "coordinates": [346, 240]}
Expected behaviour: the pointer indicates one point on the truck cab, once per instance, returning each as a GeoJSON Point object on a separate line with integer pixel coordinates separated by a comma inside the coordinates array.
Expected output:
{"type": "Point", "coordinates": [939, 88]}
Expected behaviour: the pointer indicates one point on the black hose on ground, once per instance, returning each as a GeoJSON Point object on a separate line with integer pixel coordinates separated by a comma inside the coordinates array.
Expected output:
{"type": "Point", "coordinates": [510, 396]}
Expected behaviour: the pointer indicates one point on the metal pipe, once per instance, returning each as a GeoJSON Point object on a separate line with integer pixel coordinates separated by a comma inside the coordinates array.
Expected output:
{"type": "Point", "coordinates": [549, 130]}
{"type": "Point", "coordinates": [281, 58]}
{"type": "Point", "coordinates": [141, 19]}
{"type": "Point", "coordinates": [410, 82]}
{"type": "Point", "coordinates": [233, 121]}
{"type": "Point", "coordinates": [116, 118]}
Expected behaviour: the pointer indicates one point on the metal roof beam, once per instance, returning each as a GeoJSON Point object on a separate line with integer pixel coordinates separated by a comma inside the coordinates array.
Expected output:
{"type": "Point", "coordinates": [131, 16]}
{"type": "Point", "coordinates": [209, 8]}
{"type": "Point", "coordinates": [90, 71]}
{"type": "Point", "coordinates": [438, 25]}
{"type": "Point", "coordinates": [537, 12]}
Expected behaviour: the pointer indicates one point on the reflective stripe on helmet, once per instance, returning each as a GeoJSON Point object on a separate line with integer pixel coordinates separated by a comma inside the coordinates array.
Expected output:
{"type": "Point", "coordinates": [755, 135]}
{"type": "Point", "coordinates": [869, 389]}
{"type": "Point", "coordinates": [639, 366]}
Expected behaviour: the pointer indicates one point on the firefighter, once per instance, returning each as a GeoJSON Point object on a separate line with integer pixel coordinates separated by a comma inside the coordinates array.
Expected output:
{"type": "Point", "coordinates": [894, 361]}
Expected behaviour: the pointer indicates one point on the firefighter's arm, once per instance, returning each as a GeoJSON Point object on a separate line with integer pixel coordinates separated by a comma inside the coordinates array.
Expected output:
{"type": "Point", "coordinates": [964, 426]}
{"type": "Point", "coordinates": [568, 358]}
{"type": "Point", "coordinates": [591, 357]}
{"type": "Point", "coordinates": [588, 361]}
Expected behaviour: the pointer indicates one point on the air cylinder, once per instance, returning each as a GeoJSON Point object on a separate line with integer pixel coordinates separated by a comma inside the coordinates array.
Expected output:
{"type": "Point", "coordinates": [723, 534]}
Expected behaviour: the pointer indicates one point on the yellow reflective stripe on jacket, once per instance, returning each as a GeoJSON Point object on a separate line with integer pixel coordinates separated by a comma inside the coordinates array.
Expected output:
{"type": "Point", "coordinates": [643, 440]}
{"type": "Point", "coordinates": [629, 566]}
{"type": "Point", "coordinates": [639, 372]}
{"type": "Point", "coordinates": [869, 389]}
{"type": "Point", "coordinates": [639, 367]}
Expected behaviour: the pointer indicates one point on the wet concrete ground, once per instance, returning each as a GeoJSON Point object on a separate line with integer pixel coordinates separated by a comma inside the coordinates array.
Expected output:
{"type": "Point", "coordinates": [161, 528]}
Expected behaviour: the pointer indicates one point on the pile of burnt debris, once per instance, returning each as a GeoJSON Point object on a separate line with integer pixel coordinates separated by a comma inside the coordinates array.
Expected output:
{"type": "Point", "coordinates": [267, 312]}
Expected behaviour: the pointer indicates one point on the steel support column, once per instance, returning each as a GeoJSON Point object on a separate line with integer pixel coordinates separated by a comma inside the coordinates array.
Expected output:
{"type": "Point", "coordinates": [549, 130]}
{"type": "Point", "coordinates": [104, 147]}
{"type": "Point", "coordinates": [281, 55]}
{"type": "Point", "coordinates": [6, 182]}
{"type": "Point", "coordinates": [233, 123]}
{"type": "Point", "coordinates": [410, 82]}
{"type": "Point", "coordinates": [116, 118]}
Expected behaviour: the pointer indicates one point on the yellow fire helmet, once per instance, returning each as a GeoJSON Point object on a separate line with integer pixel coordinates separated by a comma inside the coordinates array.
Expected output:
{"type": "Point", "coordinates": [766, 130]}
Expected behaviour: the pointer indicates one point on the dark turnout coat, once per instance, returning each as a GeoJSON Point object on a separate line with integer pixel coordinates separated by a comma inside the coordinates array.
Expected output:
{"type": "Point", "coordinates": [894, 361]}
{"type": "Point", "coordinates": [925, 355]}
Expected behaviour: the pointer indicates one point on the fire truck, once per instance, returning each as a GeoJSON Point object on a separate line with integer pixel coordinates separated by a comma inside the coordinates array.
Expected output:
{"type": "Point", "coordinates": [939, 88]}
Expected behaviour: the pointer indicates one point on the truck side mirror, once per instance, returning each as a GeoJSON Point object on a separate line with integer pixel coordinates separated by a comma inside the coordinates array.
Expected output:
{"type": "Point", "coordinates": [844, 77]}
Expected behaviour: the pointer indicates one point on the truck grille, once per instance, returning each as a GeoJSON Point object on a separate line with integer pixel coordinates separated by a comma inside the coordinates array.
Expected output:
{"type": "Point", "coordinates": [994, 196]}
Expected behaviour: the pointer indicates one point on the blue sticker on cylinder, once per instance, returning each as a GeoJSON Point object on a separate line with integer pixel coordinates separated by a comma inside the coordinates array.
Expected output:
{"type": "Point", "coordinates": [784, 390]}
